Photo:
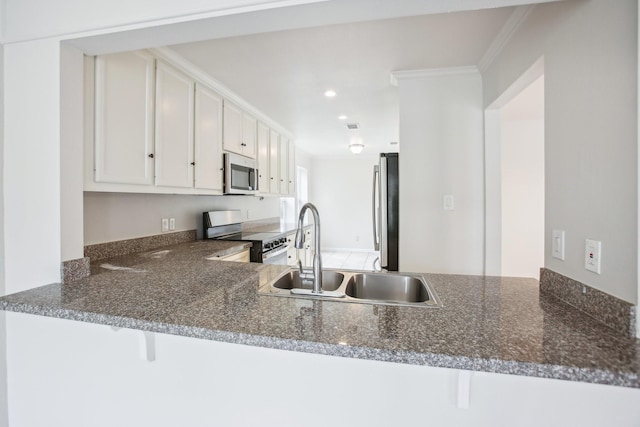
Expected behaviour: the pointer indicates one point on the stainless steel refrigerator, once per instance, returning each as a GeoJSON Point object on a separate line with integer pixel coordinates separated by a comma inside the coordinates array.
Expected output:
{"type": "Point", "coordinates": [385, 210]}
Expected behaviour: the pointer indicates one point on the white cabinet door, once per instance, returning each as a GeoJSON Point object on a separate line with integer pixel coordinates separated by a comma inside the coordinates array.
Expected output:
{"type": "Point", "coordinates": [291, 173]}
{"type": "Point", "coordinates": [232, 128]}
{"type": "Point", "coordinates": [208, 139]}
{"type": "Point", "coordinates": [239, 131]}
{"type": "Point", "coordinates": [123, 146]}
{"type": "Point", "coordinates": [263, 157]}
{"type": "Point", "coordinates": [174, 127]}
{"type": "Point", "coordinates": [249, 138]}
{"type": "Point", "coordinates": [274, 164]}
{"type": "Point", "coordinates": [284, 165]}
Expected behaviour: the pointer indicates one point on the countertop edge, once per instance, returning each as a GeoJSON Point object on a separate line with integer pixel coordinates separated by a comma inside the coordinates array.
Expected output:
{"type": "Point", "coordinates": [479, 364]}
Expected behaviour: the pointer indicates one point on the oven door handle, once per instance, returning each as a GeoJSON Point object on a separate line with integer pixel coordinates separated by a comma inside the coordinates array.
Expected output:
{"type": "Point", "coordinates": [276, 252]}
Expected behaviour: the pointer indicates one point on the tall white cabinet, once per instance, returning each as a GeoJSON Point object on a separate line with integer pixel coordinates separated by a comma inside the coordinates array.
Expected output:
{"type": "Point", "coordinates": [174, 127]}
{"type": "Point", "coordinates": [124, 118]}
{"type": "Point", "coordinates": [208, 139]}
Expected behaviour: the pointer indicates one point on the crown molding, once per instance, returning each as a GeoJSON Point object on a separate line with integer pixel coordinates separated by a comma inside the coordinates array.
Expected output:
{"type": "Point", "coordinates": [396, 76]}
{"type": "Point", "coordinates": [517, 18]}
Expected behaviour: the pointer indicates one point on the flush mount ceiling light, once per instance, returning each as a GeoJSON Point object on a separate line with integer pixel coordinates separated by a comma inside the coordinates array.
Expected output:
{"type": "Point", "coordinates": [343, 117]}
{"type": "Point", "coordinates": [330, 93]}
{"type": "Point", "coordinates": [356, 148]}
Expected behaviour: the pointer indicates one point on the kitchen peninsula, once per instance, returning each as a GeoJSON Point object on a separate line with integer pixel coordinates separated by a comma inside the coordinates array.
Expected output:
{"type": "Point", "coordinates": [486, 324]}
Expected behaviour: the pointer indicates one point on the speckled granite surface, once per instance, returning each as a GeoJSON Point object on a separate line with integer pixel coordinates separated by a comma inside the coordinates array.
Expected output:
{"type": "Point", "coordinates": [486, 323]}
{"type": "Point", "coordinates": [619, 315]}
{"type": "Point", "coordinates": [75, 269]}
{"type": "Point", "coordinates": [129, 246]}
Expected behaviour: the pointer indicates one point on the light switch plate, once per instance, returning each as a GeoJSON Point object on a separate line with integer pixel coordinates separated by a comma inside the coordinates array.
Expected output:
{"type": "Point", "coordinates": [165, 225]}
{"type": "Point", "coordinates": [557, 244]}
{"type": "Point", "coordinates": [592, 255]}
{"type": "Point", "coordinates": [447, 202]}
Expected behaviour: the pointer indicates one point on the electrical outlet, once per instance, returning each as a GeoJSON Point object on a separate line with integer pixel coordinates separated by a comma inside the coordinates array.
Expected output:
{"type": "Point", "coordinates": [172, 224]}
{"type": "Point", "coordinates": [248, 214]}
{"type": "Point", "coordinates": [357, 237]}
{"type": "Point", "coordinates": [592, 255]}
{"type": "Point", "coordinates": [165, 225]}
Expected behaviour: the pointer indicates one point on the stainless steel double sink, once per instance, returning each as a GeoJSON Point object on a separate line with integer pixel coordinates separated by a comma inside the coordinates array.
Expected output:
{"type": "Point", "coordinates": [358, 287]}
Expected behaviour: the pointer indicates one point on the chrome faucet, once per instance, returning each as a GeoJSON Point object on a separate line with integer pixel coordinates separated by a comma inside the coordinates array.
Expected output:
{"type": "Point", "coordinates": [317, 263]}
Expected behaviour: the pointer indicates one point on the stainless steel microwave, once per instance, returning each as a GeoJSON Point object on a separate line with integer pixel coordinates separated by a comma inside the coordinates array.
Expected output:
{"type": "Point", "coordinates": [240, 174]}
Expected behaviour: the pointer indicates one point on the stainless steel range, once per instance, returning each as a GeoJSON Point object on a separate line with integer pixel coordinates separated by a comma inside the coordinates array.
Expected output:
{"type": "Point", "coordinates": [268, 247]}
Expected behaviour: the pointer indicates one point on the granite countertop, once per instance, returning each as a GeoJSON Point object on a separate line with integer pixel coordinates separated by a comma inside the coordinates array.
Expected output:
{"type": "Point", "coordinates": [486, 324]}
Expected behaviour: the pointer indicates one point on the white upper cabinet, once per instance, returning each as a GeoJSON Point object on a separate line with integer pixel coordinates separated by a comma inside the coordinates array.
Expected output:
{"type": "Point", "coordinates": [284, 165]}
{"type": "Point", "coordinates": [174, 127]}
{"type": "Point", "coordinates": [249, 135]}
{"type": "Point", "coordinates": [124, 118]}
{"type": "Point", "coordinates": [263, 157]}
{"type": "Point", "coordinates": [274, 162]}
{"type": "Point", "coordinates": [240, 130]}
{"type": "Point", "coordinates": [208, 139]}
{"type": "Point", "coordinates": [161, 126]}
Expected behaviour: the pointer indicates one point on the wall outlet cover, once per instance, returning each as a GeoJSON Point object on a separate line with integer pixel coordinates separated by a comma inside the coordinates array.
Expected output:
{"type": "Point", "coordinates": [165, 225]}
{"type": "Point", "coordinates": [592, 255]}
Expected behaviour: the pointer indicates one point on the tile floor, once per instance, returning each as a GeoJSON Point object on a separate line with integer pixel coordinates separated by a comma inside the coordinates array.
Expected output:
{"type": "Point", "coordinates": [348, 260]}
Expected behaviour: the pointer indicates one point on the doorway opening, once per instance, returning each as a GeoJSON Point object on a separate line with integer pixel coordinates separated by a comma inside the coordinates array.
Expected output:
{"type": "Point", "coordinates": [515, 233]}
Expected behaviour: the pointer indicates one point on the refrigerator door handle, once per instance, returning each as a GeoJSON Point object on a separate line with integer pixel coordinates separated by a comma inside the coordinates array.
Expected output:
{"type": "Point", "coordinates": [374, 217]}
{"type": "Point", "coordinates": [383, 214]}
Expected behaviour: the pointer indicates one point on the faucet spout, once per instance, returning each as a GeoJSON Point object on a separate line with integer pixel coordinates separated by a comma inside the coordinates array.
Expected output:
{"type": "Point", "coordinates": [317, 261]}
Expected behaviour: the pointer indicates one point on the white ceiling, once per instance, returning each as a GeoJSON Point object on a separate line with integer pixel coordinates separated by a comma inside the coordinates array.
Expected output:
{"type": "Point", "coordinates": [285, 73]}
{"type": "Point", "coordinates": [281, 59]}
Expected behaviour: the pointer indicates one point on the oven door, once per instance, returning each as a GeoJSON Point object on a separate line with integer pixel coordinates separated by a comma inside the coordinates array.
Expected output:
{"type": "Point", "coordinates": [276, 256]}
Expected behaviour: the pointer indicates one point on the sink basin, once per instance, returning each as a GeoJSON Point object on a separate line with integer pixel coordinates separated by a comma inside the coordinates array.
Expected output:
{"type": "Point", "coordinates": [331, 280]}
{"type": "Point", "coordinates": [357, 287]}
{"type": "Point", "coordinates": [387, 287]}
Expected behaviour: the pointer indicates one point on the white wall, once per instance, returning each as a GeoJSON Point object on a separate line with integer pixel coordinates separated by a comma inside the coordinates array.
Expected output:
{"type": "Point", "coordinates": [71, 152]}
{"type": "Point", "coordinates": [341, 190]}
{"type": "Point", "coordinates": [522, 197]}
{"type": "Point", "coordinates": [522, 171]}
{"type": "Point", "coordinates": [32, 164]}
{"type": "Point", "coordinates": [117, 216]}
{"type": "Point", "coordinates": [4, 420]}
{"type": "Point", "coordinates": [441, 137]}
{"type": "Point", "coordinates": [590, 60]}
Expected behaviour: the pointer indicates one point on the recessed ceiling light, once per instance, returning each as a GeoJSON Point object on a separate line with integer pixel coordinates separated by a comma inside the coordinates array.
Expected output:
{"type": "Point", "coordinates": [330, 93]}
{"type": "Point", "coordinates": [343, 117]}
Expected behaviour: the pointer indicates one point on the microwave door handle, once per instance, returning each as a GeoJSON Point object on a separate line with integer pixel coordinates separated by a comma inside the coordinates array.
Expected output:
{"type": "Point", "coordinates": [374, 216]}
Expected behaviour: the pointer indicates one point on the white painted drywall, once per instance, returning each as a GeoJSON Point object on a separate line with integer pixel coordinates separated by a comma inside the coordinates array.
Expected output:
{"type": "Point", "coordinates": [341, 190]}
{"type": "Point", "coordinates": [117, 216]}
{"type": "Point", "coordinates": [4, 418]}
{"type": "Point", "coordinates": [441, 139]}
{"type": "Point", "coordinates": [522, 171]}
{"type": "Point", "coordinates": [71, 149]}
{"type": "Point", "coordinates": [95, 376]}
{"type": "Point", "coordinates": [522, 197]}
{"type": "Point", "coordinates": [31, 164]}
{"type": "Point", "coordinates": [590, 60]}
